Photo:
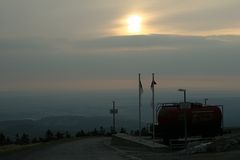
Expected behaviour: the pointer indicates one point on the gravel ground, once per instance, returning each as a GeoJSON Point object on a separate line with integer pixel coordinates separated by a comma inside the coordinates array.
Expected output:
{"type": "Point", "coordinates": [83, 149]}
{"type": "Point", "coordinates": [148, 155]}
{"type": "Point", "coordinates": [226, 147]}
{"type": "Point", "coordinates": [100, 149]}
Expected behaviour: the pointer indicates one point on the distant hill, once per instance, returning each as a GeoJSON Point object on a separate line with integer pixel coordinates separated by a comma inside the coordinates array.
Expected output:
{"type": "Point", "coordinates": [72, 124]}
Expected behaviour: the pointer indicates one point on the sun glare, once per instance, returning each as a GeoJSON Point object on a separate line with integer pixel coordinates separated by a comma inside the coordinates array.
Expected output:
{"type": "Point", "coordinates": [134, 24]}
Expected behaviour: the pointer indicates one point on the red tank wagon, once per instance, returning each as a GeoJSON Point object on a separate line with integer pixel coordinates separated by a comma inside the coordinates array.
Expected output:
{"type": "Point", "coordinates": [202, 120]}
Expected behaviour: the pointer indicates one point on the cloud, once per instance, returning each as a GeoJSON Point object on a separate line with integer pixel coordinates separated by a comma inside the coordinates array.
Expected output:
{"type": "Point", "coordinates": [76, 19]}
{"type": "Point", "coordinates": [58, 18]}
{"type": "Point", "coordinates": [115, 58]}
{"type": "Point", "coordinates": [205, 19]}
{"type": "Point", "coordinates": [30, 43]}
{"type": "Point", "coordinates": [196, 17]}
{"type": "Point", "coordinates": [168, 43]}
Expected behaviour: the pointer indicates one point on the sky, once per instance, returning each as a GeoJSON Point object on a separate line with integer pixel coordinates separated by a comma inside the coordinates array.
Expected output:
{"type": "Point", "coordinates": [52, 45]}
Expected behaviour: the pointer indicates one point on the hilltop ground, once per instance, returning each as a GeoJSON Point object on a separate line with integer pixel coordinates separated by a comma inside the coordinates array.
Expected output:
{"type": "Point", "coordinates": [226, 147]}
{"type": "Point", "coordinates": [99, 148]}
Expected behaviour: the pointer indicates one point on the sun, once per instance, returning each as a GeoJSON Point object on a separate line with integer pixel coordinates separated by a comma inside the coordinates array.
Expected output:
{"type": "Point", "coordinates": [134, 24]}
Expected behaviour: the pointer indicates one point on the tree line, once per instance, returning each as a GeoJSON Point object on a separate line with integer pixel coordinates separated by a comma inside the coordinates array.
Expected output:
{"type": "Point", "coordinates": [23, 139]}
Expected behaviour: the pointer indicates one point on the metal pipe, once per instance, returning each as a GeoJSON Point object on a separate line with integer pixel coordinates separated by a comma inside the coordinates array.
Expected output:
{"type": "Point", "coordinates": [153, 107]}
{"type": "Point", "coordinates": [114, 124]}
{"type": "Point", "coordinates": [139, 104]}
{"type": "Point", "coordinates": [205, 101]}
{"type": "Point", "coordinates": [185, 115]}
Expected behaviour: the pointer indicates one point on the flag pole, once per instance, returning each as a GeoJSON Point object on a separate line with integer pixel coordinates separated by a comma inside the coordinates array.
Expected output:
{"type": "Point", "coordinates": [153, 107]}
{"type": "Point", "coordinates": [139, 103]}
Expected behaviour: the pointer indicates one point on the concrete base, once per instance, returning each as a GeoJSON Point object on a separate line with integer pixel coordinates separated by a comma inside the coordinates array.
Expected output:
{"type": "Point", "coordinates": [131, 141]}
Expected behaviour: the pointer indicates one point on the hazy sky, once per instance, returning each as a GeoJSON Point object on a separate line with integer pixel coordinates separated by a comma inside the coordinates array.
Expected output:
{"type": "Point", "coordinates": [85, 44]}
